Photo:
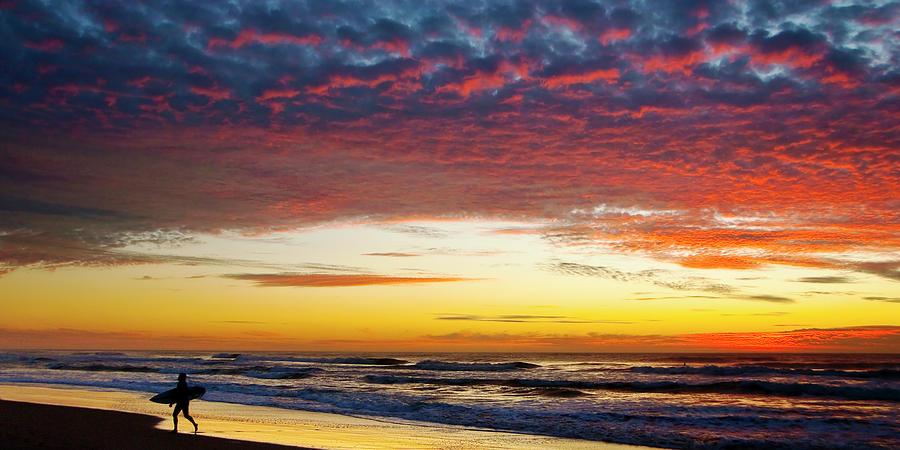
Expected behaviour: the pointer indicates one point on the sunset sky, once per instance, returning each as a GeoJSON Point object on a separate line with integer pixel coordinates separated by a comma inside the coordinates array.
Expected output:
{"type": "Point", "coordinates": [462, 175]}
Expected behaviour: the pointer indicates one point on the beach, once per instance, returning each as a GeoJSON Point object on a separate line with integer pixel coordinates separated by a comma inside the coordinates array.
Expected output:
{"type": "Point", "coordinates": [70, 417]}
{"type": "Point", "coordinates": [484, 400]}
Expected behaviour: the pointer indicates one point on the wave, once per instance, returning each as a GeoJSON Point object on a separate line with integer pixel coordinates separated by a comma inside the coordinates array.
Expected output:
{"type": "Point", "coordinates": [749, 387]}
{"type": "Point", "coordinates": [98, 354]}
{"type": "Point", "coordinates": [15, 357]}
{"type": "Point", "coordinates": [847, 365]}
{"type": "Point", "coordinates": [395, 362]}
{"type": "Point", "coordinates": [103, 368]}
{"type": "Point", "coordinates": [262, 372]}
{"type": "Point", "coordinates": [122, 359]}
{"type": "Point", "coordinates": [558, 392]}
{"type": "Point", "coordinates": [282, 373]}
{"type": "Point", "coordinates": [472, 367]}
{"type": "Point", "coordinates": [713, 370]}
{"type": "Point", "coordinates": [340, 360]}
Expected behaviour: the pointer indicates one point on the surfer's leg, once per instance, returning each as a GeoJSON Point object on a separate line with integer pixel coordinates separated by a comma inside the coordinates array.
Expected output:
{"type": "Point", "coordinates": [175, 416]}
{"type": "Point", "coordinates": [188, 417]}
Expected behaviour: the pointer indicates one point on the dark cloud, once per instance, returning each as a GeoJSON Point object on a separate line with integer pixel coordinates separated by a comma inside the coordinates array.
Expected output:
{"type": "Point", "coordinates": [883, 299]}
{"type": "Point", "coordinates": [25, 205]}
{"type": "Point", "coordinates": [798, 38]}
{"type": "Point", "coordinates": [831, 279]}
{"type": "Point", "coordinates": [850, 61]}
{"type": "Point", "coordinates": [81, 60]}
{"type": "Point", "coordinates": [886, 269]}
{"type": "Point", "coordinates": [726, 33]}
{"type": "Point", "coordinates": [768, 298]}
{"type": "Point", "coordinates": [760, 298]}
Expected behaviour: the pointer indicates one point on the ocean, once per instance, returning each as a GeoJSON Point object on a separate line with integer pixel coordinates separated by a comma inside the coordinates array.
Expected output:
{"type": "Point", "coordinates": [667, 400]}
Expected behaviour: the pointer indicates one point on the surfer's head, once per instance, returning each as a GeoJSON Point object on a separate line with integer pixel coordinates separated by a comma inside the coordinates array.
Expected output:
{"type": "Point", "coordinates": [182, 376]}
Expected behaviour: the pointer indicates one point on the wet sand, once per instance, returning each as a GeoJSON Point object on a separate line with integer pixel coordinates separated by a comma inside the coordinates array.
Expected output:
{"type": "Point", "coordinates": [98, 418]}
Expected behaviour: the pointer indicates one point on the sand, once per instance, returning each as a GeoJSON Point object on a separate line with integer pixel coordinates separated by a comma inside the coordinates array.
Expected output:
{"type": "Point", "coordinates": [100, 418]}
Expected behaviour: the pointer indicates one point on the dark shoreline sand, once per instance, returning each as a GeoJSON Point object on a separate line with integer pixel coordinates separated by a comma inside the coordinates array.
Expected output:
{"type": "Point", "coordinates": [31, 425]}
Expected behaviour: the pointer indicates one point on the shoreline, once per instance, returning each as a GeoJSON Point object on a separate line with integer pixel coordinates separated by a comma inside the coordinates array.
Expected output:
{"type": "Point", "coordinates": [244, 424]}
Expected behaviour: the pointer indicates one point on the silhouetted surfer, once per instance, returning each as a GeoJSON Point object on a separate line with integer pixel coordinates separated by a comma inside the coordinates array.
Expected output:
{"type": "Point", "coordinates": [182, 400]}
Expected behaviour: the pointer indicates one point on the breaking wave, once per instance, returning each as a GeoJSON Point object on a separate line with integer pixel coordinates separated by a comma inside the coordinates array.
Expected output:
{"type": "Point", "coordinates": [472, 367]}
{"type": "Point", "coordinates": [750, 387]}
{"type": "Point", "coordinates": [732, 371]}
{"type": "Point", "coordinates": [356, 360]}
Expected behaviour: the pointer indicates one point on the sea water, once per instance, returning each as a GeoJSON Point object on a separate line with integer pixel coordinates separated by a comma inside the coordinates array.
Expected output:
{"type": "Point", "coordinates": [668, 400]}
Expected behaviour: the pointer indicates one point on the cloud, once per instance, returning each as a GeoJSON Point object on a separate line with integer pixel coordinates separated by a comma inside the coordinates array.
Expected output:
{"type": "Point", "coordinates": [768, 298]}
{"type": "Point", "coordinates": [883, 299]}
{"type": "Point", "coordinates": [825, 279]}
{"type": "Point", "coordinates": [418, 230]}
{"type": "Point", "coordinates": [826, 293]}
{"type": "Point", "coordinates": [522, 318]}
{"type": "Point", "coordinates": [393, 254]}
{"type": "Point", "coordinates": [678, 297]}
{"type": "Point", "coordinates": [757, 297]}
{"type": "Point", "coordinates": [886, 269]}
{"type": "Point", "coordinates": [648, 276]}
{"type": "Point", "coordinates": [30, 206]}
{"type": "Point", "coordinates": [773, 139]}
{"type": "Point", "coordinates": [334, 280]}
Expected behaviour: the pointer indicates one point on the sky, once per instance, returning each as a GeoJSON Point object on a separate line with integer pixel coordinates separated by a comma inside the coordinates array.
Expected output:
{"type": "Point", "coordinates": [459, 175]}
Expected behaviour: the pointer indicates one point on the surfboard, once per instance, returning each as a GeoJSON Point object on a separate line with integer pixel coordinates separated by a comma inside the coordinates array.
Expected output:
{"type": "Point", "coordinates": [194, 392]}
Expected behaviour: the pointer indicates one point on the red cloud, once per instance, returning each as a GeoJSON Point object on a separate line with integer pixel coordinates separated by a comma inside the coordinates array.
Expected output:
{"type": "Point", "coordinates": [614, 34]}
{"type": "Point", "coordinates": [505, 72]}
{"type": "Point", "coordinates": [671, 64]}
{"type": "Point", "coordinates": [512, 34]}
{"type": "Point", "coordinates": [606, 75]}
{"type": "Point", "coordinates": [249, 36]}
{"type": "Point", "coordinates": [48, 45]}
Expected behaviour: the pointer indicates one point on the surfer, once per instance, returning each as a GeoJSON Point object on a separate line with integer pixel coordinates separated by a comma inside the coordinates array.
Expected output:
{"type": "Point", "coordinates": [182, 399]}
